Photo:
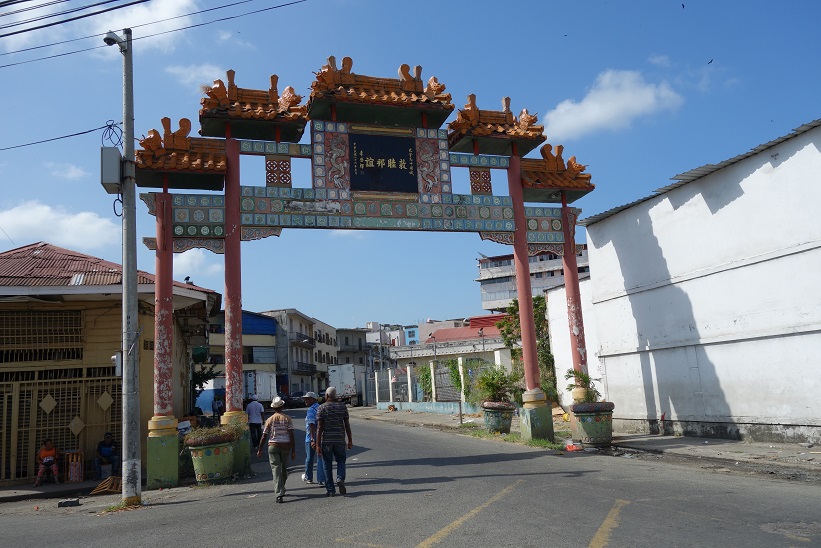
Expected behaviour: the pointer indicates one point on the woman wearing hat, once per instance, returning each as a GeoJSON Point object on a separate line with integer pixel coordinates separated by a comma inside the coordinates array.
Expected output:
{"type": "Point", "coordinates": [279, 431]}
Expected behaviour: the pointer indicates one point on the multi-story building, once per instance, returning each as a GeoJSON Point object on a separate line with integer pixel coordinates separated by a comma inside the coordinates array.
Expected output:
{"type": "Point", "coordinates": [380, 337]}
{"type": "Point", "coordinates": [411, 334]}
{"type": "Point", "coordinates": [295, 347]}
{"type": "Point", "coordinates": [261, 373]}
{"type": "Point", "coordinates": [352, 345]}
{"type": "Point", "coordinates": [325, 352]}
{"type": "Point", "coordinates": [497, 276]}
{"type": "Point", "coordinates": [427, 328]}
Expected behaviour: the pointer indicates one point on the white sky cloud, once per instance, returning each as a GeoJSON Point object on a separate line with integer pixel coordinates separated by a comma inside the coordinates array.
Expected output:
{"type": "Point", "coordinates": [66, 171]}
{"type": "Point", "coordinates": [196, 262]}
{"type": "Point", "coordinates": [659, 60]}
{"type": "Point", "coordinates": [616, 99]}
{"type": "Point", "coordinates": [196, 75]}
{"type": "Point", "coordinates": [167, 11]}
{"type": "Point", "coordinates": [34, 221]}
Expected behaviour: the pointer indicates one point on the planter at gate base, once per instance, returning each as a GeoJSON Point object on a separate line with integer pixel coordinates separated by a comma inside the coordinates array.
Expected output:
{"type": "Point", "coordinates": [213, 463]}
{"type": "Point", "coordinates": [498, 416]}
{"type": "Point", "coordinates": [592, 423]}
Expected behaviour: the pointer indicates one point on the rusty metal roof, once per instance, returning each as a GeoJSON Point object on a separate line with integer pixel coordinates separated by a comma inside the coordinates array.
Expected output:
{"type": "Point", "coordinates": [46, 265]}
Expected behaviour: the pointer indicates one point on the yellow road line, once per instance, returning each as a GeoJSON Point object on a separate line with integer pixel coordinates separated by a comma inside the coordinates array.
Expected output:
{"type": "Point", "coordinates": [350, 539]}
{"type": "Point", "coordinates": [602, 537]}
{"type": "Point", "coordinates": [447, 530]}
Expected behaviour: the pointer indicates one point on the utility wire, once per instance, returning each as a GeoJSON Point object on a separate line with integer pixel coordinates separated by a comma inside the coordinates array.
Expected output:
{"type": "Point", "coordinates": [133, 27]}
{"type": "Point", "coordinates": [107, 127]}
{"type": "Point", "coordinates": [30, 8]}
{"type": "Point", "coordinates": [149, 36]}
{"type": "Point", "coordinates": [72, 18]}
{"type": "Point", "coordinates": [50, 15]}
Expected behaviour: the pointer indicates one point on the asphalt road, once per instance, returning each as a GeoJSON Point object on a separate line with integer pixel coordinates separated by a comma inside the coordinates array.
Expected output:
{"type": "Point", "coordinates": [421, 487]}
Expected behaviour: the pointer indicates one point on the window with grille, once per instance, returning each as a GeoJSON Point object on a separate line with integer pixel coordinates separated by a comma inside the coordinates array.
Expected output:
{"type": "Point", "coordinates": [40, 336]}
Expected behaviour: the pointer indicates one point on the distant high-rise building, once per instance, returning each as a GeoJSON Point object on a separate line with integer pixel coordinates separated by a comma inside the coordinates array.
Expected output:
{"type": "Point", "coordinates": [497, 276]}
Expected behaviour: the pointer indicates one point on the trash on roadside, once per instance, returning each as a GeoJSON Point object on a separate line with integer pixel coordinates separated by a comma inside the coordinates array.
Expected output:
{"type": "Point", "coordinates": [572, 447]}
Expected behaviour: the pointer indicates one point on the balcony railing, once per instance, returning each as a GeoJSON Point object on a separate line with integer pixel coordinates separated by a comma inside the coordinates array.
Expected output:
{"type": "Point", "coordinates": [302, 368]}
{"type": "Point", "coordinates": [351, 348]}
{"type": "Point", "coordinates": [302, 339]}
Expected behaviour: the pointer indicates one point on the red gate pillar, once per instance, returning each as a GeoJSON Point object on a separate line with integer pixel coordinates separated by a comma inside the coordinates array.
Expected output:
{"type": "Point", "coordinates": [578, 348]}
{"type": "Point", "coordinates": [536, 420]}
{"type": "Point", "coordinates": [233, 306]}
{"type": "Point", "coordinates": [162, 469]}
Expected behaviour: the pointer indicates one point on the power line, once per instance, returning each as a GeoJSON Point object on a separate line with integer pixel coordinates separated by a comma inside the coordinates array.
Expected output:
{"type": "Point", "coordinates": [138, 26]}
{"type": "Point", "coordinates": [50, 15]}
{"type": "Point", "coordinates": [73, 18]}
{"type": "Point", "coordinates": [105, 127]}
{"type": "Point", "coordinates": [30, 8]}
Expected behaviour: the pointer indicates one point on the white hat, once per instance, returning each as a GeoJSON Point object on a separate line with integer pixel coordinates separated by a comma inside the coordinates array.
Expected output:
{"type": "Point", "coordinates": [311, 395]}
{"type": "Point", "coordinates": [278, 402]}
{"type": "Point", "coordinates": [254, 397]}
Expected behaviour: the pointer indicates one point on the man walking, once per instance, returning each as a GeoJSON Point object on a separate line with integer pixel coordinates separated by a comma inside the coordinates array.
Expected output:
{"type": "Point", "coordinates": [333, 425]}
{"type": "Point", "coordinates": [310, 442]}
{"type": "Point", "coordinates": [254, 410]}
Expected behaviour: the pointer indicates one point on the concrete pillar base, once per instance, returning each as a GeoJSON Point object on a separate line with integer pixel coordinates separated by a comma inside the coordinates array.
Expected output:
{"type": "Point", "coordinates": [242, 447]}
{"type": "Point", "coordinates": [162, 451]}
{"type": "Point", "coordinates": [536, 420]}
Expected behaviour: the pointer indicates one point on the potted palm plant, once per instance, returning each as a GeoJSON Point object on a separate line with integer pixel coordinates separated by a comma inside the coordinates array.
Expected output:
{"type": "Point", "coordinates": [591, 419]}
{"type": "Point", "coordinates": [212, 451]}
{"type": "Point", "coordinates": [496, 389]}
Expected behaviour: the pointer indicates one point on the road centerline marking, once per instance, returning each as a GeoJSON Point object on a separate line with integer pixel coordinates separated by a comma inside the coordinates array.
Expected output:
{"type": "Point", "coordinates": [602, 537]}
{"type": "Point", "coordinates": [440, 535]}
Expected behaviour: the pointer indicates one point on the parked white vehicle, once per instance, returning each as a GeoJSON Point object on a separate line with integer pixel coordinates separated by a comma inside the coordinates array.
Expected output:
{"type": "Point", "coordinates": [348, 380]}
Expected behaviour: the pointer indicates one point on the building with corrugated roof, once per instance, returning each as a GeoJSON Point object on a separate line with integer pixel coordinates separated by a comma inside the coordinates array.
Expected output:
{"type": "Point", "coordinates": [60, 326]}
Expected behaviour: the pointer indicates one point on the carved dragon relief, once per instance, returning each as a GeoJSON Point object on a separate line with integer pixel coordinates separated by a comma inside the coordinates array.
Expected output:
{"type": "Point", "coordinates": [330, 77]}
{"type": "Point", "coordinates": [155, 146]}
{"type": "Point", "coordinates": [485, 121]}
{"type": "Point", "coordinates": [555, 162]}
{"type": "Point", "coordinates": [222, 97]}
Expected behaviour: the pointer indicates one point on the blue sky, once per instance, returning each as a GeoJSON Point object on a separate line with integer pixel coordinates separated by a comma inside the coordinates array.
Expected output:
{"type": "Point", "coordinates": [638, 91]}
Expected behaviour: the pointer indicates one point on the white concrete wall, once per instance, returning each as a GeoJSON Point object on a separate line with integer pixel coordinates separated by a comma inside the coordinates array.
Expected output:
{"type": "Point", "coordinates": [707, 298]}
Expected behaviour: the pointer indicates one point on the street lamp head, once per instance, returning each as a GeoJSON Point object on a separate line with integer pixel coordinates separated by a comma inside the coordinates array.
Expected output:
{"type": "Point", "coordinates": [112, 38]}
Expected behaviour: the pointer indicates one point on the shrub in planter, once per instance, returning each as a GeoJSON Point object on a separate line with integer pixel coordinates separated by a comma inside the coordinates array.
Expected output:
{"type": "Point", "coordinates": [592, 422]}
{"type": "Point", "coordinates": [212, 451]}
{"type": "Point", "coordinates": [496, 389]}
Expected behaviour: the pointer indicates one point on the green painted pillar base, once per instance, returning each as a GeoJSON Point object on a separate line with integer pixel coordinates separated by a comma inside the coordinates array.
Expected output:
{"type": "Point", "coordinates": [242, 447]}
{"type": "Point", "coordinates": [536, 419]}
{"type": "Point", "coordinates": [163, 467]}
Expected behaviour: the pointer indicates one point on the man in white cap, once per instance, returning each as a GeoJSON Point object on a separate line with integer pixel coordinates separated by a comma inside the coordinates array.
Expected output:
{"type": "Point", "coordinates": [255, 410]}
{"type": "Point", "coordinates": [311, 401]}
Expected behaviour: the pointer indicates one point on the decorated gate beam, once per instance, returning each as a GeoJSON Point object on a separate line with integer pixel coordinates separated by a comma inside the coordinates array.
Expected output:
{"type": "Point", "coordinates": [379, 160]}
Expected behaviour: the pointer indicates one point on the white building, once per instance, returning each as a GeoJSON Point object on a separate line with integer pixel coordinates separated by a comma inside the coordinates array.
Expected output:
{"type": "Point", "coordinates": [497, 276]}
{"type": "Point", "coordinates": [706, 298]}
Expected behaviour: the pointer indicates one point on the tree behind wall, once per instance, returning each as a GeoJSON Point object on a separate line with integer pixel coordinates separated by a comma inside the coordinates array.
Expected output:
{"type": "Point", "coordinates": [511, 331]}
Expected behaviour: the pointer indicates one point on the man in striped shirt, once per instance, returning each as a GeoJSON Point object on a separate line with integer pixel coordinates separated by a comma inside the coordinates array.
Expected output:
{"type": "Point", "coordinates": [333, 425]}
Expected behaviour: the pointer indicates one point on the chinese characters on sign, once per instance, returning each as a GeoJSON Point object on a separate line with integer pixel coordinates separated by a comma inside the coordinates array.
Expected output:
{"type": "Point", "coordinates": [383, 164]}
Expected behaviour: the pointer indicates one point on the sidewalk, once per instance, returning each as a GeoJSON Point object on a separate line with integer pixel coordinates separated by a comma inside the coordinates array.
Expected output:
{"type": "Point", "coordinates": [784, 460]}
{"type": "Point", "coordinates": [781, 460]}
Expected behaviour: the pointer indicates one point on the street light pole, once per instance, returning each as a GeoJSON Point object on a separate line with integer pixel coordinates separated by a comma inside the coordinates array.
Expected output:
{"type": "Point", "coordinates": [132, 466]}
